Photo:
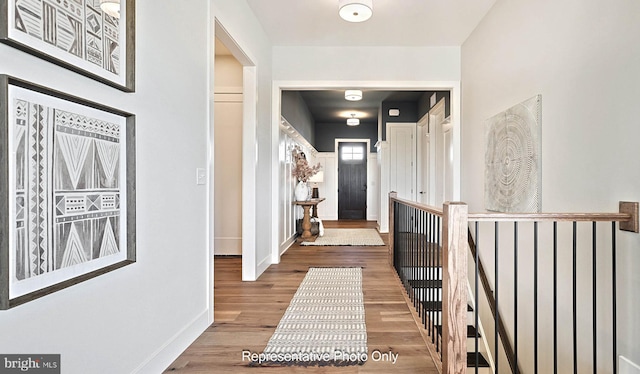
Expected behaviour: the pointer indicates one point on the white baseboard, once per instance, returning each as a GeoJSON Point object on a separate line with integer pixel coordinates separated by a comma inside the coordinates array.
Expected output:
{"type": "Point", "coordinates": [227, 246]}
{"type": "Point", "coordinates": [171, 349]}
{"type": "Point", "coordinates": [262, 266]}
{"type": "Point", "coordinates": [628, 367]}
{"type": "Point", "coordinates": [286, 244]}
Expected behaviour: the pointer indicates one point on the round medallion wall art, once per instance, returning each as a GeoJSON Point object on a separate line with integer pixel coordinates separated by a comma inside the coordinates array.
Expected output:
{"type": "Point", "coordinates": [512, 159]}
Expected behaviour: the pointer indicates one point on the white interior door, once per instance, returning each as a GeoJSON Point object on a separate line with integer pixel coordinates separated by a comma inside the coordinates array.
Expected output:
{"type": "Point", "coordinates": [443, 139]}
{"type": "Point", "coordinates": [425, 158]}
{"type": "Point", "coordinates": [402, 156]}
{"type": "Point", "coordinates": [447, 135]}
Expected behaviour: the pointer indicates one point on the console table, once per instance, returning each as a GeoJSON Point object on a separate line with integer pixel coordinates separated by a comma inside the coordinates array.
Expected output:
{"type": "Point", "coordinates": [310, 210]}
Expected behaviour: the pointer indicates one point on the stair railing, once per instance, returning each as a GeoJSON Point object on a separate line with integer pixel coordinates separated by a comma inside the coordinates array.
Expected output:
{"type": "Point", "coordinates": [547, 331]}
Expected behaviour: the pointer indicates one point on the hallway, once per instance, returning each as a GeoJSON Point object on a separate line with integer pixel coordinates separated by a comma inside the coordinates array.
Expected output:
{"type": "Point", "coordinates": [247, 313]}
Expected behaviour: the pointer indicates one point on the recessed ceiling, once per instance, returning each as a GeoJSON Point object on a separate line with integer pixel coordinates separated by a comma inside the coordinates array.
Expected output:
{"type": "Point", "coordinates": [394, 22]}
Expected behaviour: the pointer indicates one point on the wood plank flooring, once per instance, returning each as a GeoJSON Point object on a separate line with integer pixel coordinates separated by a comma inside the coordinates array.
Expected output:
{"type": "Point", "coordinates": [246, 313]}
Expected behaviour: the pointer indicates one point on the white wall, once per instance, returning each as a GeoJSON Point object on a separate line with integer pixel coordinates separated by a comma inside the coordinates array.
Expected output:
{"type": "Point", "coordinates": [288, 212]}
{"type": "Point", "coordinates": [583, 58]}
{"type": "Point", "coordinates": [328, 209]}
{"type": "Point", "coordinates": [140, 317]}
{"type": "Point", "coordinates": [366, 63]}
{"type": "Point", "coordinates": [115, 322]}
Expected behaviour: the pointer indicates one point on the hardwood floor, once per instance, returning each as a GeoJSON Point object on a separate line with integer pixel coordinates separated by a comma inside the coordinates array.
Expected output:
{"type": "Point", "coordinates": [247, 313]}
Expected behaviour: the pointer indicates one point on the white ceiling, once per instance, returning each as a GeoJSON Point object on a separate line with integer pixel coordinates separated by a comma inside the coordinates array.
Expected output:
{"type": "Point", "coordinates": [394, 22]}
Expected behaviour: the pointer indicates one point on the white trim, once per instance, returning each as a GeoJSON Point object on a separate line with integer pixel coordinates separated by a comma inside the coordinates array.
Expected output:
{"type": "Point", "coordinates": [227, 246]}
{"type": "Point", "coordinates": [249, 169]}
{"type": "Point", "coordinates": [159, 360]}
{"type": "Point", "coordinates": [628, 367]}
{"type": "Point", "coordinates": [228, 90]}
{"type": "Point", "coordinates": [227, 97]}
{"type": "Point", "coordinates": [383, 186]}
{"type": "Point", "coordinates": [422, 130]}
{"type": "Point", "coordinates": [239, 50]}
{"type": "Point", "coordinates": [287, 244]}
{"type": "Point", "coordinates": [249, 146]}
{"type": "Point", "coordinates": [210, 167]}
{"type": "Point", "coordinates": [276, 118]}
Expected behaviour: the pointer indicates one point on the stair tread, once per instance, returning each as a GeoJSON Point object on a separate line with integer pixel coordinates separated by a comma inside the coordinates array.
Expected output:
{"type": "Point", "coordinates": [471, 360]}
{"type": "Point", "coordinates": [471, 331]}
{"type": "Point", "coordinates": [437, 283]}
{"type": "Point", "coordinates": [437, 306]}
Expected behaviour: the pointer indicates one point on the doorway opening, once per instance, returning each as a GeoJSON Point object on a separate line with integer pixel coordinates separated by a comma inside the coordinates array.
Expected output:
{"type": "Point", "coordinates": [228, 105]}
{"type": "Point", "coordinates": [233, 98]}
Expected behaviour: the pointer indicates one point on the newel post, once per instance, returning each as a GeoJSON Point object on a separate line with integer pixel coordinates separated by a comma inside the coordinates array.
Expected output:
{"type": "Point", "coordinates": [454, 288]}
{"type": "Point", "coordinates": [392, 195]}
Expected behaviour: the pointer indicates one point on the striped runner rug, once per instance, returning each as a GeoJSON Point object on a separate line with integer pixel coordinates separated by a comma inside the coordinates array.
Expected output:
{"type": "Point", "coordinates": [324, 324]}
{"type": "Point", "coordinates": [359, 237]}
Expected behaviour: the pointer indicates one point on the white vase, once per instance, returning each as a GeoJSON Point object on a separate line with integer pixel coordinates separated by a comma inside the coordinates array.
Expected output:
{"type": "Point", "coordinates": [302, 191]}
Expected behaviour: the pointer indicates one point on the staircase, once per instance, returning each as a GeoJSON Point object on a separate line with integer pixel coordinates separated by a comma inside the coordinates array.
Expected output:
{"type": "Point", "coordinates": [426, 242]}
{"type": "Point", "coordinates": [426, 286]}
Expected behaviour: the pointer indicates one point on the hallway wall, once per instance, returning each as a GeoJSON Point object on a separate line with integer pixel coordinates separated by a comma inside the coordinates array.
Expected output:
{"type": "Point", "coordinates": [114, 323]}
{"type": "Point", "coordinates": [140, 317]}
{"type": "Point", "coordinates": [583, 58]}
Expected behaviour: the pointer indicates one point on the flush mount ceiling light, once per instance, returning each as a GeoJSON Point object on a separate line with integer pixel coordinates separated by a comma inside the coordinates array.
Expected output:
{"type": "Point", "coordinates": [355, 10]}
{"type": "Point", "coordinates": [353, 121]}
{"type": "Point", "coordinates": [111, 7]}
{"type": "Point", "coordinates": [353, 95]}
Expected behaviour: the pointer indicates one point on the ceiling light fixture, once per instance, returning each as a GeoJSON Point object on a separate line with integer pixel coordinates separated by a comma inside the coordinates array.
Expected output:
{"type": "Point", "coordinates": [111, 7]}
{"type": "Point", "coordinates": [353, 121]}
{"type": "Point", "coordinates": [355, 10]}
{"type": "Point", "coordinates": [353, 95]}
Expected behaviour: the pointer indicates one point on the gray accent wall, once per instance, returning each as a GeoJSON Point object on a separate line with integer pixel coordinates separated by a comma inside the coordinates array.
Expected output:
{"type": "Point", "coordinates": [327, 133]}
{"type": "Point", "coordinates": [425, 100]}
{"type": "Point", "coordinates": [408, 113]}
{"type": "Point", "coordinates": [295, 110]}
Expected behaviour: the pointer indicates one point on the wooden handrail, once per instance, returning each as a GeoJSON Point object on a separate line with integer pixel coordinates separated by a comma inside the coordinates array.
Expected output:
{"type": "Point", "coordinates": [455, 226]}
{"type": "Point", "coordinates": [540, 217]}
{"type": "Point", "coordinates": [427, 208]}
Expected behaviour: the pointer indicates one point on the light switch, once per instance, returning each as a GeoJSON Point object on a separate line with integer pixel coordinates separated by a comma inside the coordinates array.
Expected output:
{"type": "Point", "coordinates": [201, 176]}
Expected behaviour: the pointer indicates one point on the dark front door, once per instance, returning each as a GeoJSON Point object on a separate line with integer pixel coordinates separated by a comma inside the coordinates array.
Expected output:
{"type": "Point", "coordinates": [352, 181]}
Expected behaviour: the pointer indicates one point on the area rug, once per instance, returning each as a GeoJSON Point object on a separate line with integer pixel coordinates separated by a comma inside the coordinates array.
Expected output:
{"type": "Point", "coordinates": [348, 237]}
{"type": "Point", "coordinates": [324, 324]}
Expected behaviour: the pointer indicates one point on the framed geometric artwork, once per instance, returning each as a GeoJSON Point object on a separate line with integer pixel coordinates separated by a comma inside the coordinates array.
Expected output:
{"type": "Point", "coordinates": [513, 166]}
{"type": "Point", "coordinates": [75, 34]}
{"type": "Point", "coordinates": [67, 190]}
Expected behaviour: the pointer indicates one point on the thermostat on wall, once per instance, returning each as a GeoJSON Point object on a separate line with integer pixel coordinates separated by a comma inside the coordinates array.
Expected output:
{"type": "Point", "coordinates": [394, 112]}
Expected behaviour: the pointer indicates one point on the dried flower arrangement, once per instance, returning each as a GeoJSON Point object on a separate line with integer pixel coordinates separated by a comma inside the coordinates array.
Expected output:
{"type": "Point", "coordinates": [301, 169]}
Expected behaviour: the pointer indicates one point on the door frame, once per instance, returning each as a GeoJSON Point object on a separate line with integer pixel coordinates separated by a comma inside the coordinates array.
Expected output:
{"type": "Point", "coordinates": [421, 125]}
{"type": "Point", "coordinates": [249, 154]}
{"type": "Point", "coordinates": [337, 153]}
{"type": "Point", "coordinates": [453, 86]}
{"type": "Point", "coordinates": [414, 162]}
{"type": "Point", "coordinates": [437, 130]}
